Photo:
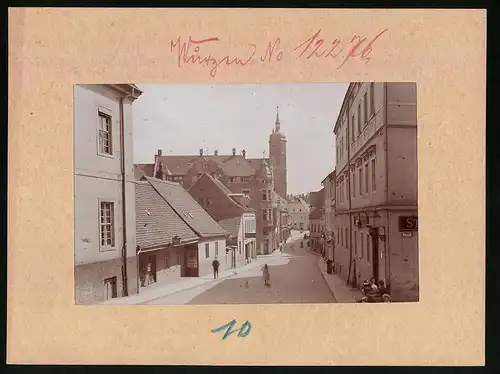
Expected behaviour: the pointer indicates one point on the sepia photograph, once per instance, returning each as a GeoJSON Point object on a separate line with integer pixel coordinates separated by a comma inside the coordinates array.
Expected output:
{"type": "Point", "coordinates": [246, 193]}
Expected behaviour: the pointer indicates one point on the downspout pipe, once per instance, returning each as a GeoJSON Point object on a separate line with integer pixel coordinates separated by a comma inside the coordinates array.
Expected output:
{"type": "Point", "coordinates": [349, 188]}
{"type": "Point", "coordinates": [386, 155]}
{"type": "Point", "coordinates": [124, 197]}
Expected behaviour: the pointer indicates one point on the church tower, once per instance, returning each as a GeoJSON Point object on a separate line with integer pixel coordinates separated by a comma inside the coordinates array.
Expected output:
{"type": "Point", "coordinates": [277, 157]}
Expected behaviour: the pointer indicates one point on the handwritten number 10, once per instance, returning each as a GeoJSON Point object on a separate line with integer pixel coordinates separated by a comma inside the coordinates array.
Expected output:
{"type": "Point", "coordinates": [244, 330]}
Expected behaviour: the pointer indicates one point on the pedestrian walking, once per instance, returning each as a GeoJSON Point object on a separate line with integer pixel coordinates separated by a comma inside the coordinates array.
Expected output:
{"type": "Point", "coordinates": [215, 265]}
{"type": "Point", "coordinates": [265, 273]}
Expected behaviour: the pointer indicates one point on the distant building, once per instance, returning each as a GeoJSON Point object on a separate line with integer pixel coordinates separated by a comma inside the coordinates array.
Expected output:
{"type": "Point", "coordinates": [258, 178]}
{"type": "Point", "coordinates": [317, 220]}
{"type": "Point", "coordinates": [105, 258]}
{"type": "Point", "coordinates": [233, 213]}
{"type": "Point", "coordinates": [376, 224]}
{"type": "Point", "coordinates": [329, 205]}
{"type": "Point", "coordinates": [299, 210]}
{"type": "Point", "coordinates": [196, 259]}
{"type": "Point", "coordinates": [163, 238]}
{"type": "Point", "coordinates": [317, 230]}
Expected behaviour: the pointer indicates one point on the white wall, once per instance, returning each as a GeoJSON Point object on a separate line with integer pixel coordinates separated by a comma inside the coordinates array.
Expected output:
{"type": "Point", "coordinates": [205, 264]}
{"type": "Point", "coordinates": [99, 177]}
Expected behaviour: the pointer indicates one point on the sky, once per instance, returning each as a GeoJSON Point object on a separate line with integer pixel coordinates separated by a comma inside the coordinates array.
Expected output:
{"type": "Point", "coordinates": [182, 118]}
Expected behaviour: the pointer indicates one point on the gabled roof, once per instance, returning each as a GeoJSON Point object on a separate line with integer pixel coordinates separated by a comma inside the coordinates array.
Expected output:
{"type": "Point", "coordinates": [329, 176]}
{"type": "Point", "coordinates": [231, 225]}
{"type": "Point", "coordinates": [146, 170]}
{"type": "Point", "coordinates": [255, 162]}
{"type": "Point", "coordinates": [231, 165]}
{"type": "Point", "coordinates": [187, 208]}
{"type": "Point", "coordinates": [237, 166]}
{"type": "Point", "coordinates": [226, 191]}
{"type": "Point", "coordinates": [156, 222]}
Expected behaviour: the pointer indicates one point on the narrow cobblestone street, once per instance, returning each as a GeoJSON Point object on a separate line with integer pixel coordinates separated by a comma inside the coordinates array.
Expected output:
{"type": "Point", "coordinates": [295, 278]}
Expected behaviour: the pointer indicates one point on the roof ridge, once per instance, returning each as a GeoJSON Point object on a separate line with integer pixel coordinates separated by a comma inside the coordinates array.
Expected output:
{"type": "Point", "coordinates": [188, 195]}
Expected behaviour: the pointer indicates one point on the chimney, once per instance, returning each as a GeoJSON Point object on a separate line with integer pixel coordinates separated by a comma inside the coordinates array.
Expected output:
{"type": "Point", "coordinates": [216, 152]}
{"type": "Point", "coordinates": [244, 153]}
{"type": "Point", "coordinates": [159, 152]}
{"type": "Point", "coordinates": [201, 151]}
{"type": "Point", "coordinates": [234, 151]}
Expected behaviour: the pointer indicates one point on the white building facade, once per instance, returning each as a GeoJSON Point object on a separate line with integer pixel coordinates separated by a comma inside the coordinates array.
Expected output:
{"type": "Point", "coordinates": [299, 214]}
{"type": "Point", "coordinates": [105, 245]}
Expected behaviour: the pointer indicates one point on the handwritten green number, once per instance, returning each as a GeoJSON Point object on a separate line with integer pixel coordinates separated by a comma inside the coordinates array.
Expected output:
{"type": "Point", "coordinates": [244, 330]}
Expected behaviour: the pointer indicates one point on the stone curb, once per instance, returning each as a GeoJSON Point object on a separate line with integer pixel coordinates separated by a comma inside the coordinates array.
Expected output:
{"type": "Point", "coordinates": [193, 287]}
{"type": "Point", "coordinates": [323, 275]}
{"type": "Point", "coordinates": [324, 278]}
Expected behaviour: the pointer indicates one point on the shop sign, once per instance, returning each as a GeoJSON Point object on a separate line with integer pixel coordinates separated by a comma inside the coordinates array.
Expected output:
{"type": "Point", "coordinates": [408, 223]}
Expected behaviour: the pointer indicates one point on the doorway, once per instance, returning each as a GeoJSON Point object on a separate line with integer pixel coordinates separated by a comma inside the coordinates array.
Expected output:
{"type": "Point", "coordinates": [375, 259]}
{"type": "Point", "coordinates": [152, 274]}
{"type": "Point", "coordinates": [111, 288]}
{"type": "Point", "coordinates": [191, 261]}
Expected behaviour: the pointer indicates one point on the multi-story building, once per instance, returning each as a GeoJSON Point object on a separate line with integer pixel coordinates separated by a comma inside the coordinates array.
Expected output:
{"type": "Point", "coordinates": [317, 229]}
{"type": "Point", "coordinates": [259, 178]}
{"type": "Point", "coordinates": [299, 210]}
{"type": "Point", "coordinates": [233, 213]}
{"type": "Point", "coordinates": [329, 204]}
{"type": "Point", "coordinates": [105, 255]}
{"type": "Point", "coordinates": [317, 220]}
{"type": "Point", "coordinates": [284, 219]}
{"type": "Point", "coordinates": [163, 238]}
{"type": "Point", "coordinates": [197, 256]}
{"type": "Point", "coordinates": [317, 198]}
{"type": "Point", "coordinates": [376, 187]}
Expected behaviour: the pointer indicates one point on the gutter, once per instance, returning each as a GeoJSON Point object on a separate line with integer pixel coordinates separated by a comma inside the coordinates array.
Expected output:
{"type": "Point", "coordinates": [124, 204]}
{"type": "Point", "coordinates": [126, 95]}
{"type": "Point", "coordinates": [386, 153]}
{"type": "Point", "coordinates": [349, 185]}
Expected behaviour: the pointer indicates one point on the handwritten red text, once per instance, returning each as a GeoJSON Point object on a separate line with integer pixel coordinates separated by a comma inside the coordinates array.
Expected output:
{"type": "Point", "coordinates": [317, 47]}
{"type": "Point", "coordinates": [186, 54]}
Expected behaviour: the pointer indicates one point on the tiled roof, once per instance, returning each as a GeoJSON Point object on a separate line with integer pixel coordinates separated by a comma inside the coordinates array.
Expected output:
{"type": "Point", "coordinates": [231, 225]}
{"type": "Point", "coordinates": [255, 162]}
{"type": "Point", "coordinates": [237, 166]}
{"type": "Point", "coordinates": [228, 192]}
{"type": "Point", "coordinates": [143, 169]}
{"type": "Point", "coordinates": [187, 208]}
{"type": "Point", "coordinates": [156, 221]}
{"type": "Point", "coordinates": [219, 184]}
{"type": "Point", "coordinates": [232, 166]}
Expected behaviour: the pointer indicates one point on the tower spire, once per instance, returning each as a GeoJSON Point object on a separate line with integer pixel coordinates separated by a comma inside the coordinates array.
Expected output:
{"type": "Point", "coordinates": [277, 123]}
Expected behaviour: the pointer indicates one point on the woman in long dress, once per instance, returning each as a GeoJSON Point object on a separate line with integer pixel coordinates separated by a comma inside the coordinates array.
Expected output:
{"type": "Point", "coordinates": [265, 273]}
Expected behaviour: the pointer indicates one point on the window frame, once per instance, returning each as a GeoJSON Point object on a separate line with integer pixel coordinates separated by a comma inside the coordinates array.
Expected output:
{"type": "Point", "coordinates": [374, 177]}
{"type": "Point", "coordinates": [359, 119]}
{"type": "Point", "coordinates": [106, 112]}
{"type": "Point", "coordinates": [367, 174]}
{"type": "Point", "coordinates": [106, 247]}
{"type": "Point", "coordinates": [354, 184]}
{"type": "Point", "coordinates": [360, 181]}
{"type": "Point", "coordinates": [372, 98]}
{"type": "Point", "coordinates": [356, 245]}
{"type": "Point", "coordinates": [365, 108]}
{"type": "Point", "coordinates": [368, 249]}
{"type": "Point", "coordinates": [207, 250]}
{"type": "Point", "coordinates": [353, 137]}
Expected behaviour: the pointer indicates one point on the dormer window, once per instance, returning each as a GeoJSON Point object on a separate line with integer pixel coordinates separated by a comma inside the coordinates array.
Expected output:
{"type": "Point", "coordinates": [266, 195]}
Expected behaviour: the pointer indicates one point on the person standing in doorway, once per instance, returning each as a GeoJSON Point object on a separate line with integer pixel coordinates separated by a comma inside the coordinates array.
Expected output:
{"type": "Point", "coordinates": [215, 265]}
{"type": "Point", "coordinates": [148, 273]}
